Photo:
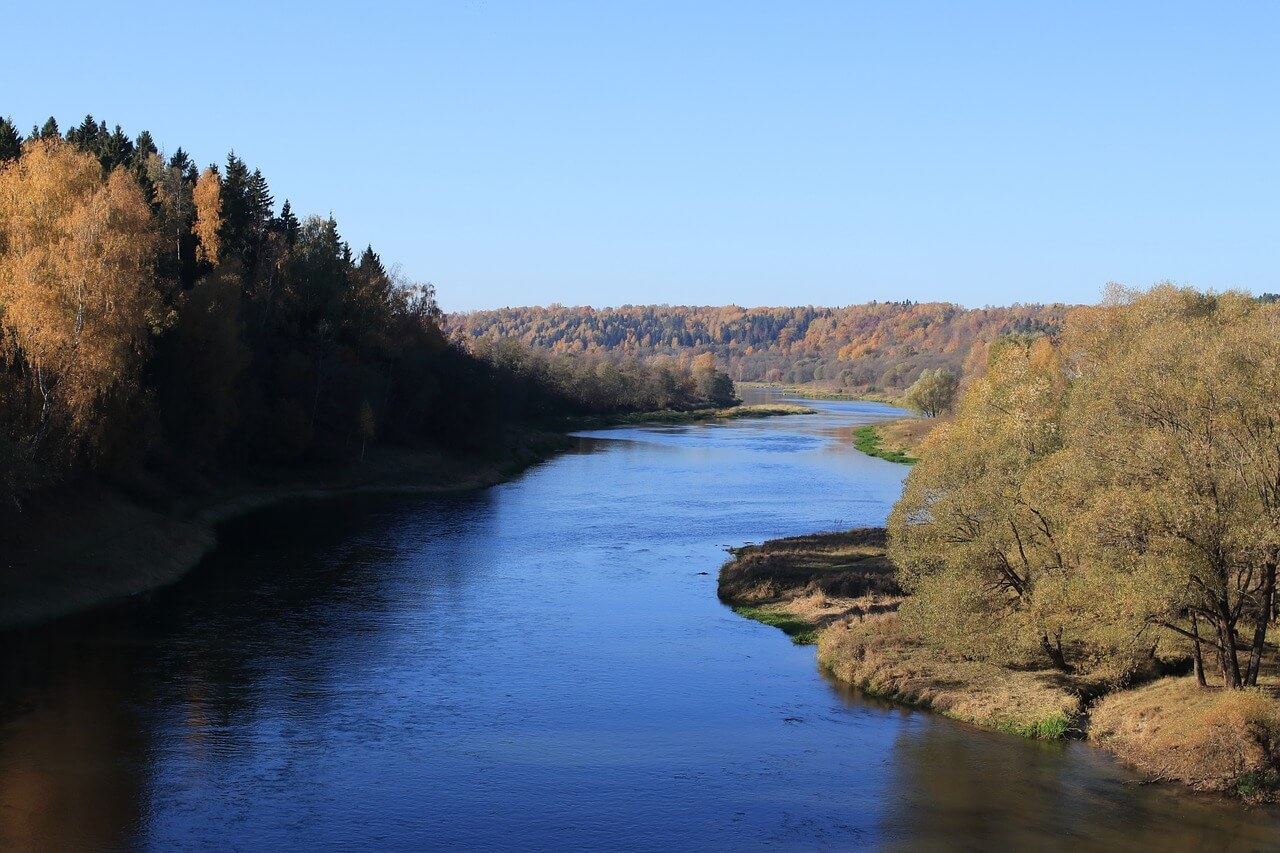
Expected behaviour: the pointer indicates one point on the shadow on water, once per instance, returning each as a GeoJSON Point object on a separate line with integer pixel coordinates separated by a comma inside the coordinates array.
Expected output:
{"type": "Point", "coordinates": [955, 786]}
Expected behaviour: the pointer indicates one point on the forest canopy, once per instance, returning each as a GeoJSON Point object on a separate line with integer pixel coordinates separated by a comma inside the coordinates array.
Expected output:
{"type": "Point", "coordinates": [161, 322]}
{"type": "Point", "coordinates": [876, 346]}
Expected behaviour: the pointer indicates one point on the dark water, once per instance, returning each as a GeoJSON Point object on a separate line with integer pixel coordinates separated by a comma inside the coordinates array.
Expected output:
{"type": "Point", "coordinates": [540, 666]}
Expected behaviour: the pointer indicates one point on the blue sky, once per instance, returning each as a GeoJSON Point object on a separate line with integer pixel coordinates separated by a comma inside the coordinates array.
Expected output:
{"type": "Point", "coordinates": [618, 152]}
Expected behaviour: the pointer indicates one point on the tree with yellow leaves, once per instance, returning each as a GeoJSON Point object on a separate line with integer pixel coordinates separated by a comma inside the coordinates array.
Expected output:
{"type": "Point", "coordinates": [76, 289]}
{"type": "Point", "coordinates": [208, 202]}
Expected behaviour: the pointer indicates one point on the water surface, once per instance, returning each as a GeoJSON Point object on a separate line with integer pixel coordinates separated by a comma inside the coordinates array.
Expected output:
{"type": "Point", "coordinates": [542, 665]}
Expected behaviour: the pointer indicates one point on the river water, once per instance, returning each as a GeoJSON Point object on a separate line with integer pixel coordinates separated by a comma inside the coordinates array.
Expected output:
{"type": "Point", "coordinates": [539, 666]}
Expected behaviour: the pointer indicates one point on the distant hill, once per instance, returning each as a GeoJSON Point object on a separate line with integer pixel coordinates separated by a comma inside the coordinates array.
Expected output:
{"type": "Point", "coordinates": [870, 346]}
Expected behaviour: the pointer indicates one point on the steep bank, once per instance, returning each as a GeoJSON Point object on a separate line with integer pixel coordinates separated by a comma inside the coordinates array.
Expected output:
{"type": "Point", "coordinates": [1168, 728]}
{"type": "Point", "coordinates": [92, 544]}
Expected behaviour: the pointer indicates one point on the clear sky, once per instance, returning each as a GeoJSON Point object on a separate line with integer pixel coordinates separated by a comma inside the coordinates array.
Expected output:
{"type": "Point", "coordinates": [636, 151]}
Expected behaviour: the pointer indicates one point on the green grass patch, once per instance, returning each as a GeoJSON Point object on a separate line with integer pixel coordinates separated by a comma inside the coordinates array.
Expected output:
{"type": "Point", "coordinates": [1251, 785]}
{"type": "Point", "coordinates": [867, 439]}
{"type": "Point", "coordinates": [802, 633]}
{"type": "Point", "coordinates": [1056, 727]}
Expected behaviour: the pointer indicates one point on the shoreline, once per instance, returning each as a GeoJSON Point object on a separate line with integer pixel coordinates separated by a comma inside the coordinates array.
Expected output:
{"type": "Point", "coordinates": [836, 590]}
{"type": "Point", "coordinates": [95, 546]}
{"type": "Point", "coordinates": [122, 548]}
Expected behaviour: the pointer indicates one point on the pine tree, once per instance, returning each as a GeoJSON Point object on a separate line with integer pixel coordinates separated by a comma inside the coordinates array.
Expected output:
{"type": "Point", "coordinates": [10, 141]}
{"type": "Point", "coordinates": [115, 149]}
{"type": "Point", "coordinates": [261, 204]}
{"type": "Point", "coordinates": [236, 211]}
{"type": "Point", "coordinates": [144, 145]}
{"type": "Point", "coordinates": [86, 136]}
{"type": "Point", "coordinates": [48, 131]}
{"type": "Point", "coordinates": [287, 224]}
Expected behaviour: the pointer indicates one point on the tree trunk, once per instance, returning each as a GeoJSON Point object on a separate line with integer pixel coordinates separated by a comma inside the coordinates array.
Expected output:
{"type": "Point", "coordinates": [1228, 661]}
{"type": "Point", "coordinates": [1054, 650]}
{"type": "Point", "coordinates": [1197, 656]}
{"type": "Point", "coordinates": [1261, 622]}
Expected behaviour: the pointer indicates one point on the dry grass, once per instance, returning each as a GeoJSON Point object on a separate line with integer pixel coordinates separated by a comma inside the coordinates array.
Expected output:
{"type": "Point", "coordinates": [897, 440]}
{"type": "Point", "coordinates": [879, 656]}
{"type": "Point", "coordinates": [851, 564]}
{"type": "Point", "coordinates": [804, 583]}
{"type": "Point", "coordinates": [1211, 739]}
{"type": "Point", "coordinates": [907, 434]}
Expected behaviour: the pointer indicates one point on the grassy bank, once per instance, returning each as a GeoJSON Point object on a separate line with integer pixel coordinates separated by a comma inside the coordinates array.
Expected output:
{"type": "Point", "coordinates": [838, 590]}
{"type": "Point", "coordinates": [89, 545]}
{"type": "Point", "coordinates": [897, 440]}
{"type": "Point", "coordinates": [869, 440]}
{"type": "Point", "coordinates": [1172, 729]}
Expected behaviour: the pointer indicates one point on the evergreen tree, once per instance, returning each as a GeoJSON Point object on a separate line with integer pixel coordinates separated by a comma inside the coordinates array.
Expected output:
{"type": "Point", "coordinates": [10, 141]}
{"type": "Point", "coordinates": [261, 204]}
{"type": "Point", "coordinates": [144, 145]}
{"type": "Point", "coordinates": [237, 214]}
{"type": "Point", "coordinates": [48, 131]}
{"type": "Point", "coordinates": [115, 149]}
{"type": "Point", "coordinates": [287, 225]}
{"type": "Point", "coordinates": [86, 136]}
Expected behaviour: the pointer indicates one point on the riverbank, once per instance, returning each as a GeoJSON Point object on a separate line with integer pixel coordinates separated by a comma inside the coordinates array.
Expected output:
{"type": "Point", "coordinates": [897, 440]}
{"type": "Point", "coordinates": [91, 544]}
{"type": "Point", "coordinates": [837, 590]}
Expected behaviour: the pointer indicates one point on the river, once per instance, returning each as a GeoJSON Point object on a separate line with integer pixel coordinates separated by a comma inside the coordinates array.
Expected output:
{"type": "Point", "coordinates": [540, 666]}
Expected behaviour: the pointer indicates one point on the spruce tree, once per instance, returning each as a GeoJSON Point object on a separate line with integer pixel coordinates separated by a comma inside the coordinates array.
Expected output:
{"type": "Point", "coordinates": [287, 224]}
{"type": "Point", "coordinates": [144, 146]}
{"type": "Point", "coordinates": [85, 136]}
{"type": "Point", "coordinates": [237, 213]}
{"type": "Point", "coordinates": [114, 149]}
{"type": "Point", "coordinates": [48, 131]}
{"type": "Point", "coordinates": [10, 141]}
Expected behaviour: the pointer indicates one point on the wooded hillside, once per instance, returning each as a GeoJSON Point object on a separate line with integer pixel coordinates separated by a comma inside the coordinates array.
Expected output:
{"type": "Point", "coordinates": [871, 346]}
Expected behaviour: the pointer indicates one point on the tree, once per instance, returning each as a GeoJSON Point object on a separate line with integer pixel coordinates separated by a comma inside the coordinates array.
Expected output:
{"type": "Point", "coordinates": [933, 393]}
{"type": "Point", "coordinates": [49, 130]}
{"type": "Point", "coordinates": [974, 541]}
{"type": "Point", "coordinates": [207, 197]}
{"type": "Point", "coordinates": [711, 384]}
{"type": "Point", "coordinates": [1176, 419]}
{"type": "Point", "coordinates": [75, 281]}
{"type": "Point", "coordinates": [10, 141]}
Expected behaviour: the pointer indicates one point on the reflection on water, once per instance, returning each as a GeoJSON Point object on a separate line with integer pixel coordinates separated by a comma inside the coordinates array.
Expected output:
{"type": "Point", "coordinates": [543, 665]}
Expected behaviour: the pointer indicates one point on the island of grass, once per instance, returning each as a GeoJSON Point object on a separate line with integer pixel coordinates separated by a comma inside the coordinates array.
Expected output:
{"type": "Point", "coordinates": [822, 392]}
{"type": "Point", "coordinates": [680, 416]}
{"type": "Point", "coordinates": [838, 590]}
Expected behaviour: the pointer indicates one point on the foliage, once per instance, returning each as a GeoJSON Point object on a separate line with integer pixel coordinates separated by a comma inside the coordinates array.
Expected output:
{"type": "Point", "coordinates": [871, 346]}
{"type": "Point", "coordinates": [1095, 488]}
{"type": "Point", "coordinates": [933, 393]}
{"type": "Point", "coordinates": [160, 325]}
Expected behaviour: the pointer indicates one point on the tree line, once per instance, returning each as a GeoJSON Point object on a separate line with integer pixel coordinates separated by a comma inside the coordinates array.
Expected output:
{"type": "Point", "coordinates": [1107, 490]}
{"type": "Point", "coordinates": [160, 321]}
{"type": "Point", "coordinates": [870, 347]}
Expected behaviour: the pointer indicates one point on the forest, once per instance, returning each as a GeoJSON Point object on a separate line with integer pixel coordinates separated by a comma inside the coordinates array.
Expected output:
{"type": "Point", "coordinates": [161, 323]}
{"type": "Point", "coordinates": [871, 347]}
